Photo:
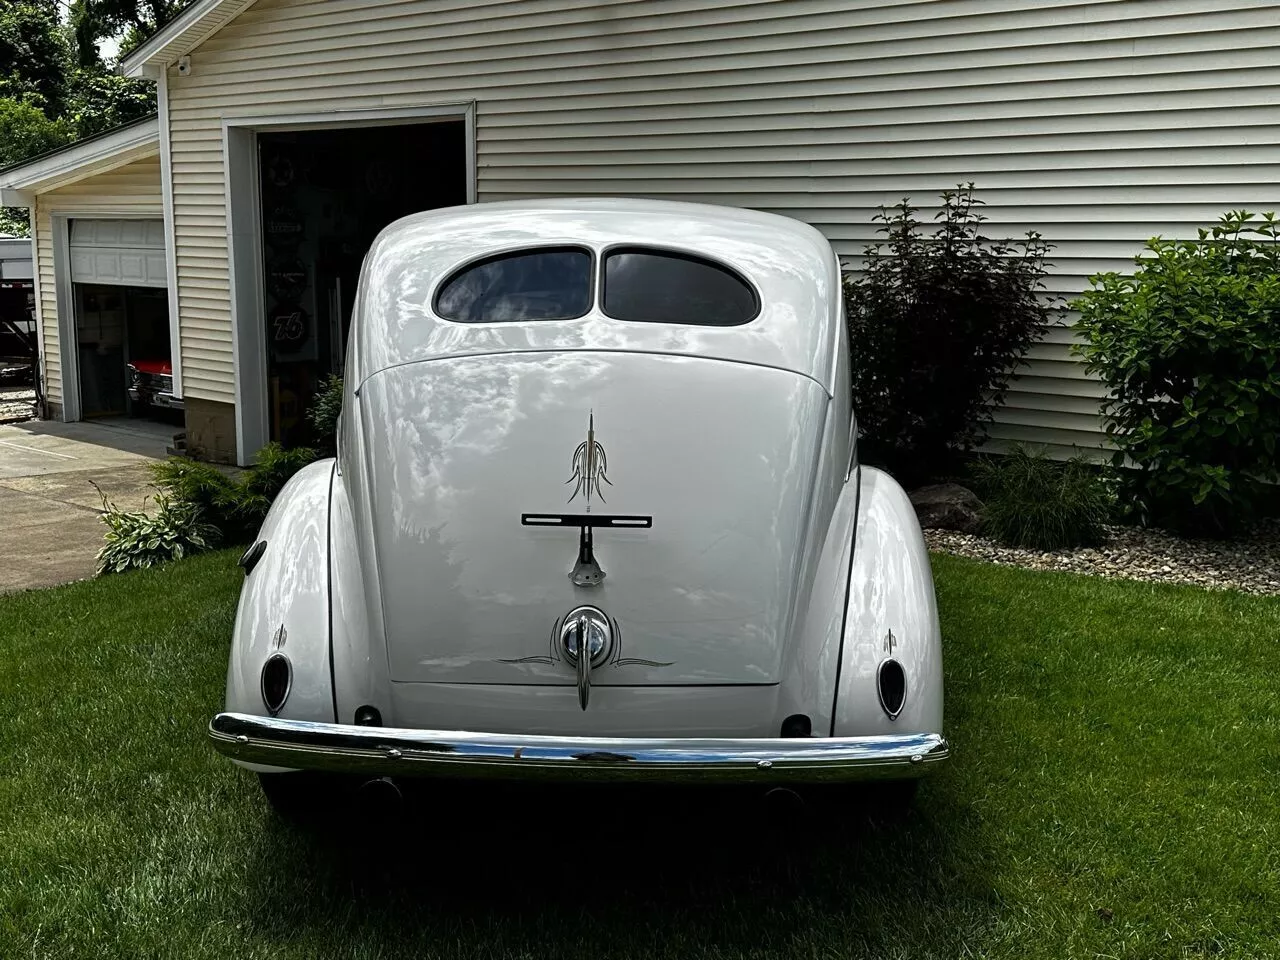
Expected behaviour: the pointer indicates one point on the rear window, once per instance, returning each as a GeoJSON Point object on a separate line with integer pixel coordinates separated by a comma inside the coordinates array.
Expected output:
{"type": "Point", "coordinates": [659, 287]}
{"type": "Point", "coordinates": [545, 284]}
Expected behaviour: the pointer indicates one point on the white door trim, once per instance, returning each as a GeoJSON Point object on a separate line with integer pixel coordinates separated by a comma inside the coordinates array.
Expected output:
{"type": "Point", "coordinates": [170, 233]}
{"type": "Point", "coordinates": [64, 295]}
{"type": "Point", "coordinates": [244, 238]}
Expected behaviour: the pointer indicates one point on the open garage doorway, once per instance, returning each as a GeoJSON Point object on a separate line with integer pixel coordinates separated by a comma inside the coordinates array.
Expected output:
{"type": "Point", "coordinates": [120, 301]}
{"type": "Point", "coordinates": [324, 196]}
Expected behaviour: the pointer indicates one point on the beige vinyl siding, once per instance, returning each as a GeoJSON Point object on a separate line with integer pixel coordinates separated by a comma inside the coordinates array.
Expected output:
{"type": "Point", "coordinates": [133, 190]}
{"type": "Point", "coordinates": [1096, 123]}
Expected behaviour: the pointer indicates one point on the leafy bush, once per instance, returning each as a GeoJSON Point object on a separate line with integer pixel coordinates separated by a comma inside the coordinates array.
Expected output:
{"type": "Point", "coordinates": [234, 506]}
{"type": "Point", "coordinates": [139, 539]}
{"type": "Point", "coordinates": [324, 411]}
{"type": "Point", "coordinates": [938, 322]}
{"type": "Point", "coordinates": [1189, 347]}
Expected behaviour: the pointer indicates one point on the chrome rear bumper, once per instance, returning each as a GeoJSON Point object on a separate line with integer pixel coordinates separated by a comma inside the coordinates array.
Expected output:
{"type": "Point", "coordinates": [390, 751]}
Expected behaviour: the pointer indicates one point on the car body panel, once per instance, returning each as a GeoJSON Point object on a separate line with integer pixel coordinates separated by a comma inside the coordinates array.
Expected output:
{"type": "Point", "coordinates": [707, 594]}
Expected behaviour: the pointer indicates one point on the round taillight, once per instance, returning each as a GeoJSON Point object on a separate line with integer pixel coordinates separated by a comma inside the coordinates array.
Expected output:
{"type": "Point", "coordinates": [277, 678]}
{"type": "Point", "coordinates": [368, 716]}
{"type": "Point", "coordinates": [891, 683]}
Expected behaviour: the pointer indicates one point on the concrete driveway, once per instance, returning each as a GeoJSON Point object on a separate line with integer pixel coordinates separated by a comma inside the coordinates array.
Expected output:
{"type": "Point", "coordinates": [50, 530]}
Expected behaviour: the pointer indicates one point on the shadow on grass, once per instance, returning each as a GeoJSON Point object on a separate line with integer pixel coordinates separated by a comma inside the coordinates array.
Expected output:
{"type": "Point", "coordinates": [631, 871]}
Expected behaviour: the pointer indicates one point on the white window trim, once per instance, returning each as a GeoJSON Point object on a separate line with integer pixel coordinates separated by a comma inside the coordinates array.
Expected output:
{"type": "Point", "coordinates": [244, 259]}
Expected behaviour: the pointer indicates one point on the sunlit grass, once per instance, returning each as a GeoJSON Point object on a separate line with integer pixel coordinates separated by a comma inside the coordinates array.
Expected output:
{"type": "Point", "coordinates": [1112, 794]}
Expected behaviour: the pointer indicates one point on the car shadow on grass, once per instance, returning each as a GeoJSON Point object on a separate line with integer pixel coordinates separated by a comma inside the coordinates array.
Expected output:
{"type": "Point", "coordinates": [497, 868]}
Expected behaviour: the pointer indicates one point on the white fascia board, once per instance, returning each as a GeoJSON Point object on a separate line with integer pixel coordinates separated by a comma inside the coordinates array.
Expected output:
{"type": "Point", "coordinates": [166, 46]}
{"type": "Point", "coordinates": [83, 160]}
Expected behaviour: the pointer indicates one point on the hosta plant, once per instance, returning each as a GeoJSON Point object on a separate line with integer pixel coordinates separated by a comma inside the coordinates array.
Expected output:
{"type": "Point", "coordinates": [1189, 347]}
{"type": "Point", "coordinates": [141, 539]}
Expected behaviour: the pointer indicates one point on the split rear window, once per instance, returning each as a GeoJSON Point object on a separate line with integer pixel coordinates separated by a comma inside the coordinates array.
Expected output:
{"type": "Point", "coordinates": [640, 284]}
{"type": "Point", "coordinates": [655, 286]}
{"type": "Point", "coordinates": [545, 284]}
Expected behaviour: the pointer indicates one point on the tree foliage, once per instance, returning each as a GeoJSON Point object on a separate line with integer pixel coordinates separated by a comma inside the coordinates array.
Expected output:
{"type": "Point", "coordinates": [34, 55]}
{"type": "Point", "coordinates": [133, 21]}
{"type": "Point", "coordinates": [26, 131]}
{"type": "Point", "coordinates": [55, 87]}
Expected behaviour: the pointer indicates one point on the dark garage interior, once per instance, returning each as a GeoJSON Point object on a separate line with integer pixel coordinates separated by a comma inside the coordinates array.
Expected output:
{"type": "Point", "coordinates": [325, 195]}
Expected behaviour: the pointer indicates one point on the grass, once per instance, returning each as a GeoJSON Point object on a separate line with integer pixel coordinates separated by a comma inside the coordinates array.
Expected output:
{"type": "Point", "coordinates": [1112, 794]}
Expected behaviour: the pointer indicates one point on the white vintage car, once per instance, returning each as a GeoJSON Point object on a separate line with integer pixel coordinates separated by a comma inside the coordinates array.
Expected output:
{"type": "Point", "coordinates": [596, 513]}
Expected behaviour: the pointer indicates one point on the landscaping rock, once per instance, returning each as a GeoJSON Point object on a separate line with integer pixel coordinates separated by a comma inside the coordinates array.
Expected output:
{"type": "Point", "coordinates": [947, 506]}
{"type": "Point", "coordinates": [1250, 563]}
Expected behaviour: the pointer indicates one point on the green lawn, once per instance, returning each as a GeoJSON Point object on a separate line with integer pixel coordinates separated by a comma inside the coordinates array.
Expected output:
{"type": "Point", "coordinates": [1112, 793]}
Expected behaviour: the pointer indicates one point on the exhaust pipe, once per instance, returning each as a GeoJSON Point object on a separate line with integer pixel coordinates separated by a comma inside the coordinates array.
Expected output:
{"type": "Point", "coordinates": [380, 794]}
{"type": "Point", "coordinates": [783, 803]}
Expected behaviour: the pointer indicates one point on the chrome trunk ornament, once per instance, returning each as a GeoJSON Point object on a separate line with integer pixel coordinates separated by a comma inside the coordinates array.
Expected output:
{"type": "Point", "coordinates": [586, 640]}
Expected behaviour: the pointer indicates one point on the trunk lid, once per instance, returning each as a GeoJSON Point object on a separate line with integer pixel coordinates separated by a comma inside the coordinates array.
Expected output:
{"type": "Point", "coordinates": [720, 455]}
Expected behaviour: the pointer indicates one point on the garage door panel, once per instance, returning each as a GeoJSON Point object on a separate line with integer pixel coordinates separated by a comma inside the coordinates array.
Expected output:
{"type": "Point", "coordinates": [119, 252]}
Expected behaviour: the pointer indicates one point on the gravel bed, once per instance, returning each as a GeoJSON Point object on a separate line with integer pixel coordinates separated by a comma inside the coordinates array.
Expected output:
{"type": "Point", "coordinates": [17, 403]}
{"type": "Point", "coordinates": [1250, 563]}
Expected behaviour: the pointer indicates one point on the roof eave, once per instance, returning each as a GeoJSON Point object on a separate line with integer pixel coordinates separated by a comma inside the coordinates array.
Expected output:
{"type": "Point", "coordinates": [78, 161]}
{"type": "Point", "coordinates": [190, 28]}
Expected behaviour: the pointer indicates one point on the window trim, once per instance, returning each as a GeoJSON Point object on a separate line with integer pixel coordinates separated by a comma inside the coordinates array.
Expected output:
{"type": "Point", "coordinates": [681, 253]}
{"type": "Point", "coordinates": [593, 270]}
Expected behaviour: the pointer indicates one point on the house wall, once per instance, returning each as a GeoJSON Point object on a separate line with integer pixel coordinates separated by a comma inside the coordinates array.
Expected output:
{"type": "Point", "coordinates": [1097, 123]}
{"type": "Point", "coordinates": [133, 190]}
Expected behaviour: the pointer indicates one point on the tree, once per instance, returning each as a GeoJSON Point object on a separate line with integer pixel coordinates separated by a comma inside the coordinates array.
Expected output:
{"type": "Point", "coordinates": [102, 101]}
{"type": "Point", "coordinates": [34, 54]}
{"type": "Point", "coordinates": [54, 87]}
{"type": "Point", "coordinates": [133, 21]}
{"type": "Point", "coordinates": [26, 132]}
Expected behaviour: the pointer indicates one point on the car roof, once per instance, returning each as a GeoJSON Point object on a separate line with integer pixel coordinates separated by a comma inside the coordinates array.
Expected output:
{"type": "Point", "coordinates": [792, 266]}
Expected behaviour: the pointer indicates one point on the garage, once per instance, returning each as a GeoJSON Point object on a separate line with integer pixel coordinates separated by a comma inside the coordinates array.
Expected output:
{"type": "Point", "coordinates": [120, 300]}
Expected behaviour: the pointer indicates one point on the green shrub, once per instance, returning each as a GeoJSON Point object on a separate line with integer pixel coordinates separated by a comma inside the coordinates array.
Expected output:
{"type": "Point", "coordinates": [200, 484]}
{"type": "Point", "coordinates": [938, 322]}
{"type": "Point", "coordinates": [1189, 347]}
{"type": "Point", "coordinates": [234, 506]}
{"type": "Point", "coordinates": [1032, 501]}
{"type": "Point", "coordinates": [324, 411]}
{"type": "Point", "coordinates": [273, 468]}
{"type": "Point", "coordinates": [139, 539]}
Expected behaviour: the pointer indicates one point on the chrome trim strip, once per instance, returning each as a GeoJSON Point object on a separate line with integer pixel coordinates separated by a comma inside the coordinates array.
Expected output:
{"type": "Point", "coordinates": [391, 751]}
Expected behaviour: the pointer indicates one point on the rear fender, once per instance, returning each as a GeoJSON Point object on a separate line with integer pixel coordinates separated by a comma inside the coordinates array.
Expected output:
{"type": "Point", "coordinates": [284, 603]}
{"type": "Point", "coordinates": [892, 612]}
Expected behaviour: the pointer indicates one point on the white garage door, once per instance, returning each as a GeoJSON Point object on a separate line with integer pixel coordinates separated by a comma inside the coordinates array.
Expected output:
{"type": "Point", "coordinates": [128, 253]}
